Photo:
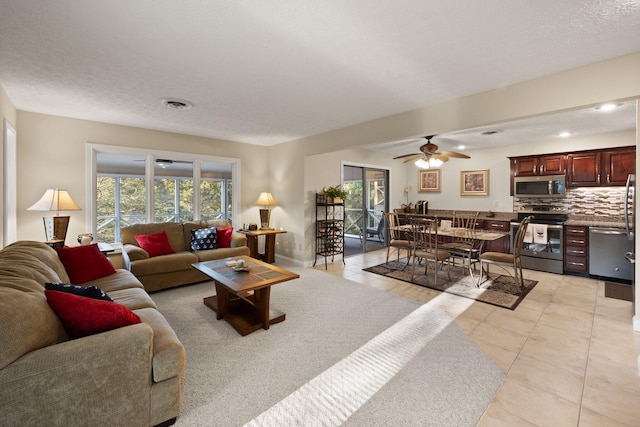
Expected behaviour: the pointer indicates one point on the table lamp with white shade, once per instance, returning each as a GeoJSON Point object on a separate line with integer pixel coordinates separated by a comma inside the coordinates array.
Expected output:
{"type": "Point", "coordinates": [56, 200]}
{"type": "Point", "coordinates": [265, 199]}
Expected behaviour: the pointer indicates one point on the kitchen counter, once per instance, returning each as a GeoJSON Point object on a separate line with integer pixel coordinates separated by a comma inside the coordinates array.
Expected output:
{"type": "Point", "coordinates": [595, 221]}
{"type": "Point", "coordinates": [579, 220]}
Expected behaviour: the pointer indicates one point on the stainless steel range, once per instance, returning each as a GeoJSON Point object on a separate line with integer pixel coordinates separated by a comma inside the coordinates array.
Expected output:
{"type": "Point", "coordinates": [543, 249]}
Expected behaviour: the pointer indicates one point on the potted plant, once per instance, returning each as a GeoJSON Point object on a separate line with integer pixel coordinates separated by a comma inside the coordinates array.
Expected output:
{"type": "Point", "coordinates": [335, 193]}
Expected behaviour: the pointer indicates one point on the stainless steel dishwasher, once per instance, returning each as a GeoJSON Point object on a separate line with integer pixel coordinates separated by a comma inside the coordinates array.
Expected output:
{"type": "Point", "coordinates": [607, 248]}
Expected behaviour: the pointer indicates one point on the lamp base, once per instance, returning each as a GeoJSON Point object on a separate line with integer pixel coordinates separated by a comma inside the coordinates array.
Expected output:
{"type": "Point", "coordinates": [265, 216]}
{"type": "Point", "coordinates": [55, 228]}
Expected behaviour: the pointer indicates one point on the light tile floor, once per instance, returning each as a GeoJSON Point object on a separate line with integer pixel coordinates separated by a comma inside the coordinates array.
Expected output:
{"type": "Point", "coordinates": [569, 354]}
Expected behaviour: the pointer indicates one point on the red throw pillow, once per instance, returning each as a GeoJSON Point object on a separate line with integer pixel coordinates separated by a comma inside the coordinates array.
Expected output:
{"type": "Point", "coordinates": [82, 316]}
{"type": "Point", "coordinates": [85, 263]}
{"type": "Point", "coordinates": [224, 237]}
{"type": "Point", "coordinates": [155, 243]}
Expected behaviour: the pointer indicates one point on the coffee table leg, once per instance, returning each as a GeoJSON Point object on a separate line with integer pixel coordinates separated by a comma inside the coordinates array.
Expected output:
{"type": "Point", "coordinates": [223, 300]}
{"type": "Point", "coordinates": [261, 301]}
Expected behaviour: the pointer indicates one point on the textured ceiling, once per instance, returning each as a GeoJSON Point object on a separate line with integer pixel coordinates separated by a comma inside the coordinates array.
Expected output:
{"type": "Point", "coordinates": [265, 71]}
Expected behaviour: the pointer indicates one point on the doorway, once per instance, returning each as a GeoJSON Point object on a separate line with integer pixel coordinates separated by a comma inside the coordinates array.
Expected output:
{"type": "Point", "coordinates": [10, 223]}
{"type": "Point", "coordinates": [366, 202]}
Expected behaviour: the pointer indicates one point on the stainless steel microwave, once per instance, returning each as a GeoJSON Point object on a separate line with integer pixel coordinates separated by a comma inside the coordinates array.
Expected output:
{"type": "Point", "coordinates": [539, 186]}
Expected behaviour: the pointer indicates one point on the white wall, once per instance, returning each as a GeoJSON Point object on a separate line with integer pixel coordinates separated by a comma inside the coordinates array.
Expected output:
{"type": "Point", "coordinates": [51, 153]}
{"type": "Point", "coordinates": [322, 170]}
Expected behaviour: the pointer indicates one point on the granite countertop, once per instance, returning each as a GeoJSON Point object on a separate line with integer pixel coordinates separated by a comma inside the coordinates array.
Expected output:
{"type": "Point", "coordinates": [595, 221]}
{"type": "Point", "coordinates": [579, 220]}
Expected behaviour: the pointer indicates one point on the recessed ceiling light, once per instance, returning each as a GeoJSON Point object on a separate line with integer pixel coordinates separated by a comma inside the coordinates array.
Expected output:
{"type": "Point", "coordinates": [177, 104]}
{"type": "Point", "coordinates": [564, 134]}
{"type": "Point", "coordinates": [608, 107]}
{"type": "Point", "coordinates": [461, 147]}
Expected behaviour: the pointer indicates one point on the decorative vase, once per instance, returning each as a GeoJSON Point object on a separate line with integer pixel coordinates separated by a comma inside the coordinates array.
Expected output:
{"type": "Point", "coordinates": [85, 238]}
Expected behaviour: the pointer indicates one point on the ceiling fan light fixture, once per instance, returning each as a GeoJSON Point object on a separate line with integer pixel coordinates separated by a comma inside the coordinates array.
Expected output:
{"type": "Point", "coordinates": [422, 164]}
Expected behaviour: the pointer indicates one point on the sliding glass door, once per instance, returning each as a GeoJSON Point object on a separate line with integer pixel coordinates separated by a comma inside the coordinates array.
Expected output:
{"type": "Point", "coordinates": [368, 199]}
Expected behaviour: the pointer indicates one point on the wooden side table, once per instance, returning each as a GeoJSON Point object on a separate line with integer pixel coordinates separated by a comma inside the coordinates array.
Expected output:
{"type": "Point", "coordinates": [269, 254]}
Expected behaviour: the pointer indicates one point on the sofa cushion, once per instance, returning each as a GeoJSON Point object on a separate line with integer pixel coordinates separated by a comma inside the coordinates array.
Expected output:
{"type": "Point", "coordinates": [122, 279]}
{"type": "Point", "coordinates": [28, 324]}
{"type": "Point", "coordinates": [220, 253]}
{"type": "Point", "coordinates": [203, 238]}
{"type": "Point", "coordinates": [133, 298]}
{"type": "Point", "coordinates": [83, 291]}
{"type": "Point", "coordinates": [85, 263]}
{"type": "Point", "coordinates": [82, 316]}
{"type": "Point", "coordinates": [224, 237]}
{"type": "Point", "coordinates": [174, 232]}
{"type": "Point", "coordinates": [165, 264]}
{"type": "Point", "coordinates": [155, 244]}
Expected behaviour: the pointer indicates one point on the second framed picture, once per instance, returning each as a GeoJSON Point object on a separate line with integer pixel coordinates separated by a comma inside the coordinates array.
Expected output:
{"type": "Point", "coordinates": [474, 183]}
{"type": "Point", "coordinates": [429, 181]}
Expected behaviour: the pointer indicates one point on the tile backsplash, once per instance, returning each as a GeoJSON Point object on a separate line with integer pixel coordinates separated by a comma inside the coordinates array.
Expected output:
{"type": "Point", "coordinates": [594, 201]}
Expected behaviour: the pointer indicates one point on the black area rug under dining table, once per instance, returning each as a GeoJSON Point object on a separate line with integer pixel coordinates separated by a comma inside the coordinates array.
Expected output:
{"type": "Point", "coordinates": [499, 290]}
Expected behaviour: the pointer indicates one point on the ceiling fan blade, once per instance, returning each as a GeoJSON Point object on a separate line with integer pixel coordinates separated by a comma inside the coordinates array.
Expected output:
{"type": "Point", "coordinates": [453, 154]}
{"type": "Point", "coordinates": [414, 157]}
{"type": "Point", "coordinates": [440, 156]}
{"type": "Point", "coordinates": [407, 155]}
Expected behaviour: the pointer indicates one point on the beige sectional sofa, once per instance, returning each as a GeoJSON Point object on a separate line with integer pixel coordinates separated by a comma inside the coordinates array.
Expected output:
{"type": "Point", "coordinates": [165, 271]}
{"type": "Point", "coordinates": [129, 376]}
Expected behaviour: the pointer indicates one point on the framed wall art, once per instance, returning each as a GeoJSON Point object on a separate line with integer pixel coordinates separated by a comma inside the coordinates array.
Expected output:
{"type": "Point", "coordinates": [429, 180]}
{"type": "Point", "coordinates": [474, 183]}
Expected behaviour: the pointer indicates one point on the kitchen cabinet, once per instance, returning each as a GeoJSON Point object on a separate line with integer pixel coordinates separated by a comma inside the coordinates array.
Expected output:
{"type": "Point", "coordinates": [548, 164]}
{"type": "Point", "coordinates": [576, 249]}
{"type": "Point", "coordinates": [584, 169]}
{"type": "Point", "coordinates": [592, 168]}
{"type": "Point", "coordinates": [618, 163]}
{"type": "Point", "coordinates": [606, 168]}
{"type": "Point", "coordinates": [502, 244]}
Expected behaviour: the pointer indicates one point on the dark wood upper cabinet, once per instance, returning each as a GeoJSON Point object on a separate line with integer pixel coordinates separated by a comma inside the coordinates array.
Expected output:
{"type": "Point", "coordinates": [618, 163]}
{"type": "Point", "coordinates": [592, 168]}
{"type": "Point", "coordinates": [584, 169]}
{"type": "Point", "coordinates": [552, 164]}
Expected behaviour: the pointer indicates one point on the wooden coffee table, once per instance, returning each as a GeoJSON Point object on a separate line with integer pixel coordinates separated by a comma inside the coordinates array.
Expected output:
{"type": "Point", "coordinates": [242, 297]}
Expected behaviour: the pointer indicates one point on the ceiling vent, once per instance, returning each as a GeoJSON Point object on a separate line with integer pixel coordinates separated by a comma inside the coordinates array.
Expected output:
{"type": "Point", "coordinates": [177, 104]}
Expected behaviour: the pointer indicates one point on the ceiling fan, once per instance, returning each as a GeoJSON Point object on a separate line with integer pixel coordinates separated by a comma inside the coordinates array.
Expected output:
{"type": "Point", "coordinates": [430, 156]}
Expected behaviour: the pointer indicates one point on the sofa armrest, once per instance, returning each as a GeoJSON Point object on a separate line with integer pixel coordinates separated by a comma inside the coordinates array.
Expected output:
{"type": "Point", "coordinates": [82, 380]}
{"type": "Point", "coordinates": [238, 240]}
{"type": "Point", "coordinates": [133, 253]}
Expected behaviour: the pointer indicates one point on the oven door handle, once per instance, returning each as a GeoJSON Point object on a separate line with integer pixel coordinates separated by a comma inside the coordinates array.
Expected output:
{"type": "Point", "coordinates": [549, 226]}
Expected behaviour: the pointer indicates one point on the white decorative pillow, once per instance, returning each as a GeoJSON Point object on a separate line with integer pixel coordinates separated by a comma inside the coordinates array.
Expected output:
{"type": "Point", "coordinates": [204, 238]}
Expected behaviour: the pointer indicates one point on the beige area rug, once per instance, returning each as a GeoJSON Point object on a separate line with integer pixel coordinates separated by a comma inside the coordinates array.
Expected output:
{"type": "Point", "coordinates": [346, 355]}
{"type": "Point", "coordinates": [499, 290]}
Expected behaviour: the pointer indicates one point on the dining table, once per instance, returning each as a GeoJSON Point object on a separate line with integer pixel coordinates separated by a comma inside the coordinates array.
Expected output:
{"type": "Point", "coordinates": [479, 236]}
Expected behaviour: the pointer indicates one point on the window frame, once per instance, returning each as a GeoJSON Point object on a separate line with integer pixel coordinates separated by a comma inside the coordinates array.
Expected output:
{"type": "Point", "coordinates": [150, 156]}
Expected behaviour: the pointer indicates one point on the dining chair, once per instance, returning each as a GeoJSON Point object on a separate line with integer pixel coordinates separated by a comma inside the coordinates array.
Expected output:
{"type": "Point", "coordinates": [425, 246]}
{"type": "Point", "coordinates": [378, 230]}
{"type": "Point", "coordinates": [507, 261]}
{"type": "Point", "coordinates": [395, 239]}
{"type": "Point", "coordinates": [464, 245]}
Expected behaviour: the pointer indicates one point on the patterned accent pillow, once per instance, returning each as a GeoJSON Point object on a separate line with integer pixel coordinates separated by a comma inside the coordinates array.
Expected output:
{"type": "Point", "coordinates": [84, 291]}
{"type": "Point", "coordinates": [204, 238]}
